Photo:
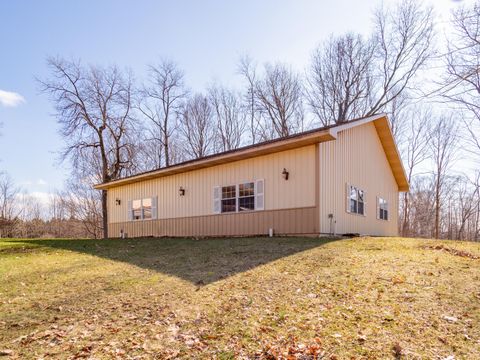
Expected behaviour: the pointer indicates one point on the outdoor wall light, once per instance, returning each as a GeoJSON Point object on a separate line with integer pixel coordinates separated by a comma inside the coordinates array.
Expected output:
{"type": "Point", "coordinates": [118, 201]}
{"type": "Point", "coordinates": [181, 191]}
{"type": "Point", "coordinates": [285, 174]}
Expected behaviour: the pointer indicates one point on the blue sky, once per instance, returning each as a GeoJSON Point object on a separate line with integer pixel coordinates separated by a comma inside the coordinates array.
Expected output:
{"type": "Point", "coordinates": [206, 38]}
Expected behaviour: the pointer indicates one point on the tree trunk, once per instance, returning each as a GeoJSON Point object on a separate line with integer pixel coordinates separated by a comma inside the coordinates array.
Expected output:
{"type": "Point", "coordinates": [405, 224]}
{"type": "Point", "coordinates": [437, 210]}
{"type": "Point", "coordinates": [166, 150]}
{"type": "Point", "coordinates": [104, 214]}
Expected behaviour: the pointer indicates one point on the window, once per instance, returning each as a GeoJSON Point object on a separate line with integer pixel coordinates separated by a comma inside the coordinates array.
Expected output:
{"type": "Point", "coordinates": [356, 200]}
{"type": "Point", "coordinates": [147, 208]}
{"type": "Point", "coordinates": [142, 209]}
{"type": "Point", "coordinates": [382, 209]}
{"type": "Point", "coordinates": [246, 197]}
{"type": "Point", "coordinates": [229, 199]}
{"type": "Point", "coordinates": [137, 209]}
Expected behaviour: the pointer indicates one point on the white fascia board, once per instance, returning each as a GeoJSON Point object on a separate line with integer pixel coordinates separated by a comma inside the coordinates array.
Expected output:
{"type": "Point", "coordinates": [348, 125]}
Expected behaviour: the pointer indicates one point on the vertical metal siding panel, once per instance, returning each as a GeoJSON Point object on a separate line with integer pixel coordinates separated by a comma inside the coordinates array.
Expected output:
{"type": "Point", "coordinates": [260, 222]}
{"type": "Point", "coordinates": [256, 223]}
{"type": "Point", "coordinates": [369, 170]}
{"type": "Point", "coordinates": [283, 220]}
{"type": "Point", "coordinates": [279, 222]}
{"type": "Point", "coordinates": [279, 194]}
{"type": "Point", "coordinates": [218, 224]}
{"type": "Point", "coordinates": [198, 227]}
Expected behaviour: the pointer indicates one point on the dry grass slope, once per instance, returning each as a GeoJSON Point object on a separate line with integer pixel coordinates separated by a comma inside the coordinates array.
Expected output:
{"type": "Point", "coordinates": [361, 298]}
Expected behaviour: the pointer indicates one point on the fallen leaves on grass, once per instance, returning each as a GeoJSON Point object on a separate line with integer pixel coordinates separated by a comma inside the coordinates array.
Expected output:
{"type": "Point", "coordinates": [291, 349]}
{"type": "Point", "coordinates": [451, 319]}
{"type": "Point", "coordinates": [452, 251]}
{"type": "Point", "coordinates": [397, 350]}
{"type": "Point", "coordinates": [355, 302]}
{"type": "Point", "coordinates": [6, 352]}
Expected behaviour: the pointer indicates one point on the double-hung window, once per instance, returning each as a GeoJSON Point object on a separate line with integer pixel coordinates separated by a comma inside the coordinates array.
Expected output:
{"type": "Point", "coordinates": [382, 209]}
{"type": "Point", "coordinates": [245, 196]}
{"type": "Point", "coordinates": [147, 208]}
{"type": "Point", "coordinates": [142, 209]}
{"type": "Point", "coordinates": [229, 198]}
{"type": "Point", "coordinates": [355, 200]}
{"type": "Point", "coordinates": [137, 209]}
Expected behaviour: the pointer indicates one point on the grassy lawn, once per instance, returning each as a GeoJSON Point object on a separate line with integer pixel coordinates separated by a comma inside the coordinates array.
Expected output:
{"type": "Point", "coordinates": [263, 298]}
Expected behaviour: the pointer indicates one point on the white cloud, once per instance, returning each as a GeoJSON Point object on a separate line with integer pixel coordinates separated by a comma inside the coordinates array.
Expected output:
{"type": "Point", "coordinates": [44, 198]}
{"type": "Point", "coordinates": [10, 99]}
{"type": "Point", "coordinates": [37, 182]}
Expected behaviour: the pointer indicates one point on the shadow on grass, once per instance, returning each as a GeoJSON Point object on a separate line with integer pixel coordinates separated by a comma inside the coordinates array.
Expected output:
{"type": "Point", "coordinates": [198, 261]}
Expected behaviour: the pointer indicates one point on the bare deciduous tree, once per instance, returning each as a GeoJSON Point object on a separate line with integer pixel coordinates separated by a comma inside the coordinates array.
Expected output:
{"type": "Point", "coordinates": [279, 98]}
{"type": "Point", "coordinates": [442, 141]}
{"type": "Point", "coordinates": [421, 207]}
{"type": "Point", "coordinates": [229, 118]}
{"type": "Point", "coordinates": [197, 126]}
{"type": "Point", "coordinates": [467, 200]}
{"type": "Point", "coordinates": [85, 204]}
{"type": "Point", "coordinates": [414, 152]}
{"type": "Point", "coordinates": [246, 68]}
{"type": "Point", "coordinates": [339, 82]}
{"type": "Point", "coordinates": [8, 204]}
{"type": "Point", "coordinates": [351, 77]}
{"type": "Point", "coordinates": [94, 111]}
{"type": "Point", "coordinates": [403, 43]}
{"type": "Point", "coordinates": [461, 85]}
{"type": "Point", "coordinates": [160, 102]}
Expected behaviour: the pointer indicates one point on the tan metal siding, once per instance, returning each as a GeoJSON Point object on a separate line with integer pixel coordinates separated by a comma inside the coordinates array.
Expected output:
{"type": "Point", "coordinates": [286, 221]}
{"type": "Point", "coordinates": [356, 158]}
{"type": "Point", "coordinates": [297, 192]}
{"type": "Point", "coordinates": [316, 187]}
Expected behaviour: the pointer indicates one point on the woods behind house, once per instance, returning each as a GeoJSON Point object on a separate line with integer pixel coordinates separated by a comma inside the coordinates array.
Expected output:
{"type": "Point", "coordinates": [115, 126]}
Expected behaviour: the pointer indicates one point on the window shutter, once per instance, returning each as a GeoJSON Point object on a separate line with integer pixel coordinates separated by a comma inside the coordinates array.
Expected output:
{"type": "Point", "coordinates": [154, 207]}
{"type": "Point", "coordinates": [378, 208]}
{"type": "Point", "coordinates": [260, 194]}
{"type": "Point", "coordinates": [130, 214]}
{"type": "Point", "coordinates": [347, 197]}
{"type": "Point", "coordinates": [217, 200]}
{"type": "Point", "coordinates": [237, 195]}
{"type": "Point", "coordinates": [364, 203]}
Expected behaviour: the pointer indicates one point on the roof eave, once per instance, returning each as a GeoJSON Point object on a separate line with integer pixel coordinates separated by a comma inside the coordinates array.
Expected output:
{"type": "Point", "coordinates": [380, 122]}
{"type": "Point", "coordinates": [269, 148]}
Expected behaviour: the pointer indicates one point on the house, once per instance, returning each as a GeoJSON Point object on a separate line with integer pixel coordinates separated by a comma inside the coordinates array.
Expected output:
{"type": "Point", "coordinates": [333, 180]}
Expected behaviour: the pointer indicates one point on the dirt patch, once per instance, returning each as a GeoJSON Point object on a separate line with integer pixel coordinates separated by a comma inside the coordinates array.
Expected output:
{"type": "Point", "coordinates": [452, 251]}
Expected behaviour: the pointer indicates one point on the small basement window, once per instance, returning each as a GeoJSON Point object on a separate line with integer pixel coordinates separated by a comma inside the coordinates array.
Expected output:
{"type": "Point", "coordinates": [356, 200]}
{"type": "Point", "coordinates": [382, 209]}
